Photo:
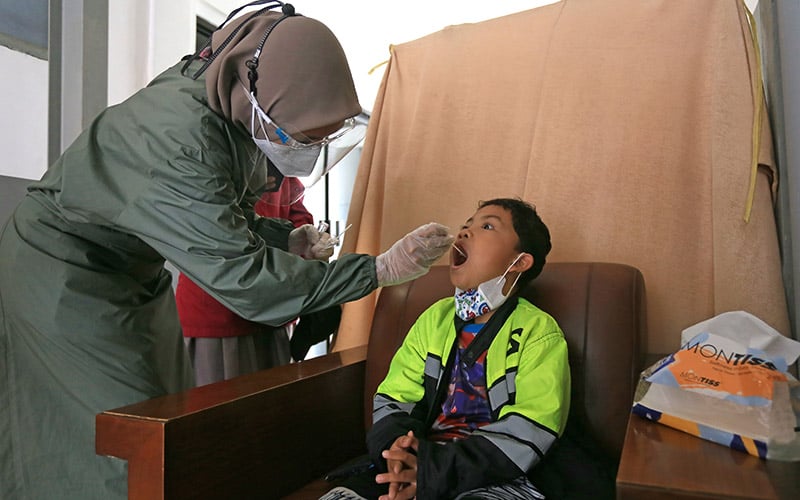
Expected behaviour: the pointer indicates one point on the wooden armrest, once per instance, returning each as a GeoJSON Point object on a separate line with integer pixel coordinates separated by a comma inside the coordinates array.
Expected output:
{"type": "Point", "coordinates": [261, 435]}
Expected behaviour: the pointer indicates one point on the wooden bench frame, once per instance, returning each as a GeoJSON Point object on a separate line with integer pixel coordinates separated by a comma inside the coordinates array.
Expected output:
{"type": "Point", "coordinates": [193, 445]}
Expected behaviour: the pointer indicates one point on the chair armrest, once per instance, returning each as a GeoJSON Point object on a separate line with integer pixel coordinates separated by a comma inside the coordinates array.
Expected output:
{"type": "Point", "coordinates": [260, 435]}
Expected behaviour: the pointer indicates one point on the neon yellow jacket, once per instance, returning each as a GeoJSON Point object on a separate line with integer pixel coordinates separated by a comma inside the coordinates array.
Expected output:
{"type": "Point", "coordinates": [528, 382]}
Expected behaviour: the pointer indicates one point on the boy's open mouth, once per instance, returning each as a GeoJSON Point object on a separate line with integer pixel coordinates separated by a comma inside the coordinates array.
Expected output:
{"type": "Point", "coordinates": [459, 256]}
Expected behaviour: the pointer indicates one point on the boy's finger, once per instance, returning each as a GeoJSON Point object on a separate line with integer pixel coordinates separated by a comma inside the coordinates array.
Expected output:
{"type": "Point", "coordinates": [404, 477]}
{"type": "Point", "coordinates": [406, 493]}
{"type": "Point", "coordinates": [401, 455]}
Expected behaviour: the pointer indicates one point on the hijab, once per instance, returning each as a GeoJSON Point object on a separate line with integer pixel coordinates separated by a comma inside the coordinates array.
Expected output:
{"type": "Point", "coordinates": [304, 81]}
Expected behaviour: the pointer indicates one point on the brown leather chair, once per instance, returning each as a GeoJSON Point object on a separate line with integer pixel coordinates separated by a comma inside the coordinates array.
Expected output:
{"type": "Point", "coordinates": [600, 308]}
{"type": "Point", "coordinates": [275, 433]}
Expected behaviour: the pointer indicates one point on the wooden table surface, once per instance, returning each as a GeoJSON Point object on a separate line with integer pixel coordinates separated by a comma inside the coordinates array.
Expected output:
{"type": "Point", "coordinates": [659, 462]}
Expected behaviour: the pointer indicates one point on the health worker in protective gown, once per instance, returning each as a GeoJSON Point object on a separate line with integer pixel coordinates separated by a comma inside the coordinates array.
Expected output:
{"type": "Point", "coordinates": [87, 312]}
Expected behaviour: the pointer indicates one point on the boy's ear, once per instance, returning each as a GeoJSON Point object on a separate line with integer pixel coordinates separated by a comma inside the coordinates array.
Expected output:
{"type": "Point", "coordinates": [524, 263]}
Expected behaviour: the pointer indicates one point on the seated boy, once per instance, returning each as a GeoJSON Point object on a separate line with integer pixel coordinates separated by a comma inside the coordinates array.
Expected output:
{"type": "Point", "coordinates": [479, 390]}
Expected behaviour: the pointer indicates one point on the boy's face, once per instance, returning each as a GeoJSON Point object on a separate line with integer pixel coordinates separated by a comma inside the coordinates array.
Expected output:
{"type": "Point", "coordinates": [489, 245]}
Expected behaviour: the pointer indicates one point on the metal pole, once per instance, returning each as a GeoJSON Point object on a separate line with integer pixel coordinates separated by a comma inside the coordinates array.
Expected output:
{"type": "Point", "coordinates": [77, 67]}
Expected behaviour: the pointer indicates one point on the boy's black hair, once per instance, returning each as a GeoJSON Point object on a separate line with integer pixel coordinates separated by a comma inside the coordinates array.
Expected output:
{"type": "Point", "coordinates": [534, 237]}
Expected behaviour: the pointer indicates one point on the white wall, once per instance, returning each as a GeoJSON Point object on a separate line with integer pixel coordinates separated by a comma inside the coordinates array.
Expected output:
{"type": "Point", "coordinates": [23, 122]}
{"type": "Point", "coordinates": [128, 48]}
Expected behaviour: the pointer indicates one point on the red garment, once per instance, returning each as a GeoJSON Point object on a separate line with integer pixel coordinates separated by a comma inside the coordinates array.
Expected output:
{"type": "Point", "coordinates": [200, 313]}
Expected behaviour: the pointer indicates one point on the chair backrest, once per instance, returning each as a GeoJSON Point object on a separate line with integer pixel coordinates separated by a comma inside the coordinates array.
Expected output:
{"type": "Point", "coordinates": [599, 306]}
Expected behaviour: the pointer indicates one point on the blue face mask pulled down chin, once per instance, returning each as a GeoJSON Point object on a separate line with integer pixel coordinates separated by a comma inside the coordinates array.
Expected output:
{"type": "Point", "coordinates": [476, 302]}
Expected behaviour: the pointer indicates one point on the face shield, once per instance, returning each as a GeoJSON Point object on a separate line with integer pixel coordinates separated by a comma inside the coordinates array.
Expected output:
{"type": "Point", "coordinates": [298, 156]}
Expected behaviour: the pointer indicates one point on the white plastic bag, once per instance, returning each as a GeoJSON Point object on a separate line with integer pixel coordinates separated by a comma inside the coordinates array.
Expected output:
{"type": "Point", "coordinates": [728, 383]}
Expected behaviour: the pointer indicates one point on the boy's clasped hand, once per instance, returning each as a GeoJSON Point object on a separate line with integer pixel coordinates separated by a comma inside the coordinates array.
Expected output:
{"type": "Point", "coordinates": [401, 461]}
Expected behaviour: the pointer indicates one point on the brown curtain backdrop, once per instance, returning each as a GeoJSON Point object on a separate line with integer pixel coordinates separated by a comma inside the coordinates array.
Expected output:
{"type": "Point", "coordinates": [629, 124]}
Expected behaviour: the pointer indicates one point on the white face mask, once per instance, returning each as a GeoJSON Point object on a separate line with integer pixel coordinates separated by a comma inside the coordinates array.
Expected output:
{"type": "Point", "coordinates": [487, 297]}
{"type": "Point", "coordinates": [292, 162]}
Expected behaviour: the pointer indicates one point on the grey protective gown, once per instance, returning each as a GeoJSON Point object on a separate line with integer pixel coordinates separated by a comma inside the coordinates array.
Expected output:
{"type": "Point", "coordinates": [88, 319]}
